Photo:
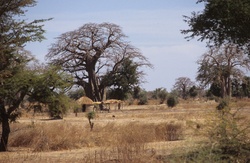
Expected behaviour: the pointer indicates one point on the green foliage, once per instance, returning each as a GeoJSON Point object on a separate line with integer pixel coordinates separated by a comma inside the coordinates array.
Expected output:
{"type": "Point", "coordinates": [123, 80]}
{"type": "Point", "coordinates": [172, 101]}
{"type": "Point", "coordinates": [50, 86]}
{"type": "Point", "coordinates": [193, 91]}
{"type": "Point", "coordinates": [221, 21]}
{"type": "Point", "coordinates": [136, 92]}
{"type": "Point", "coordinates": [143, 98]}
{"type": "Point", "coordinates": [116, 93]}
{"type": "Point", "coordinates": [241, 88]}
{"type": "Point", "coordinates": [91, 116]}
{"type": "Point", "coordinates": [76, 94]}
{"type": "Point", "coordinates": [160, 93]}
{"type": "Point", "coordinates": [15, 33]}
{"type": "Point", "coordinates": [214, 90]}
{"type": "Point", "coordinates": [58, 106]}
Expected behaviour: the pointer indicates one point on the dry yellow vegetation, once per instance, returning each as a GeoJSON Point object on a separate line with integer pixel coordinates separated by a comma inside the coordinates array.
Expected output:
{"type": "Point", "coordinates": [133, 134]}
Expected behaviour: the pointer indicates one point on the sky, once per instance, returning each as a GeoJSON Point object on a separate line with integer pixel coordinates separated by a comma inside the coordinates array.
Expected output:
{"type": "Point", "coordinates": [153, 26]}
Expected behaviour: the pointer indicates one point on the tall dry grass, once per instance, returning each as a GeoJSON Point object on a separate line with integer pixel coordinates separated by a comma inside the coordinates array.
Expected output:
{"type": "Point", "coordinates": [135, 140]}
{"type": "Point", "coordinates": [123, 142]}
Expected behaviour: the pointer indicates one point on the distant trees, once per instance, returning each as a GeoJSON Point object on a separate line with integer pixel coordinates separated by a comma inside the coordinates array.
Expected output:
{"type": "Point", "coordinates": [221, 22]}
{"type": "Point", "coordinates": [94, 52]}
{"type": "Point", "coordinates": [241, 88]}
{"type": "Point", "coordinates": [220, 65]}
{"type": "Point", "coordinates": [182, 86]}
{"type": "Point", "coordinates": [160, 93]}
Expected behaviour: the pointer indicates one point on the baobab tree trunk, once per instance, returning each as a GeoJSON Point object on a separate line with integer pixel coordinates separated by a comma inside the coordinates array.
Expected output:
{"type": "Point", "coordinates": [5, 128]}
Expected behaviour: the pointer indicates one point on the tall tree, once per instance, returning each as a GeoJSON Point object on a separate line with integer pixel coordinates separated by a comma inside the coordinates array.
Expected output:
{"type": "Point", "coordinates": [91, 52]}
{"type": "Point", "coordinates": [219, 65]}
{"type": "Point", "coordinates": [182, 86]}
{"type": "Point", "coordinates": [14, 34]}
{"type": "Point", "coordinates": [221, 22]}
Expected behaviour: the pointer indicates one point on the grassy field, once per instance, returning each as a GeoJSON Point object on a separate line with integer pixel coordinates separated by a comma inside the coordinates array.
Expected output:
{"type": "Point", "coordinates": [149, 133]}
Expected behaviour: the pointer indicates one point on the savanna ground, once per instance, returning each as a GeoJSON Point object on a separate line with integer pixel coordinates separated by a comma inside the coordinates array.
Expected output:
{"type": "Point", "coordinates": [147, 133]}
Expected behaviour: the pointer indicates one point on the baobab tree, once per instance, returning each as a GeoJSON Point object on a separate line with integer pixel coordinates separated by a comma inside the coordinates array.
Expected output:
{"type": "Point", "coordinates": [92, 52]}
{"type": "Point", "coordinates": [182, 86]}
{"type": "Point", "coordinates": [220, 65]}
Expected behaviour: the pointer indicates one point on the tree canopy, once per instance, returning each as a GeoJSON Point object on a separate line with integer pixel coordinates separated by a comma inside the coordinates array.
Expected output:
{"type": "Point", "coordinates": [221, 22]}
{"type": "Point", "coordinates": [182, 86]}
{"type": "Point", "coordinates": [91, 52]}
{"type": "Point", "coordinates": [14, 83]}
{"type": "Point", "coordinates": [220, 64]}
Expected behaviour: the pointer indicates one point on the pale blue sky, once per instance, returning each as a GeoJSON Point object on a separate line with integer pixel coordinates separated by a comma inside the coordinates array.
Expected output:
{"type": "Point", "coordinates": [153, 26]}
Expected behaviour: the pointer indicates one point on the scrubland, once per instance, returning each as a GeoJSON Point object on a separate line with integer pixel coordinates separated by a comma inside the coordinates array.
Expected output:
{"type": "Point", "coordinates": [147, 133]}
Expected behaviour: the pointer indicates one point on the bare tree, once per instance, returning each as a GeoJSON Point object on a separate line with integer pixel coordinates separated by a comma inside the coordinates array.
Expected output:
{"type": "Point", "coordinates": [92, 51]}
{"type": "Point", "coordinates": [220, 64]}
{"type": "Point", "coordinates": [182, 86]}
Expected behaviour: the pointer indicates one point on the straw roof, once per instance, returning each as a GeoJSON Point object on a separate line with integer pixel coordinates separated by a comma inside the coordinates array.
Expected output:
{"type": "Point", "coordinates": [112, 101]}
{"type": "Point", "coordinates": [85, 100]}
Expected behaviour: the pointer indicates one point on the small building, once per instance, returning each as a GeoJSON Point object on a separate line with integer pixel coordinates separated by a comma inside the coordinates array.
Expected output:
{"type": "Point", "coordinates": [86, 104]}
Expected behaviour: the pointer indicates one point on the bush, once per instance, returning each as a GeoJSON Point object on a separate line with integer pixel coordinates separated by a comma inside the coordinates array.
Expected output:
{"type": "Point", "coordinates": [91, 116]}
{"type": "Point", "coordinates": [143, 99]}
{"type": "Point", "coordinates": [228, 135]}
{"type": "Point", "coordinates": [172, 101]}
{"type": "Point", "coordinates": [59, 106]}
{"type": "Point", "coordinates": [169, 132]}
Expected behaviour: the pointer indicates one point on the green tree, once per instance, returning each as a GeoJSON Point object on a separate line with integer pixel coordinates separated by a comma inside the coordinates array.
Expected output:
{"type": "Point", "coordinates": [193, 91]}
{"type": "Point", "coordinates": [123, 81]}
{"type": "Point", "coordinates": [14, 34]}
{"type": "Point", "coordinates": [160, 93]}
{"type": "Point", "coordinates": [143, 98]}
{"type": "Point", "coordinates": [50, 85]}
{"type": "Point", "coordinates": [93, 51]}
{"type": "Point", "coordinates": [221, 22]}
{"type": "Point", "coordinates": [76, 93]}
{"type": "Point", "coordinates": [215, 90]}
{"type": "Point", "coordinates": [172, 101]}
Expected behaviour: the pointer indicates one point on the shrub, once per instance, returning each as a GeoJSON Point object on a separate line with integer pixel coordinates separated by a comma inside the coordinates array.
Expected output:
{"type": "Point", "coordinates": [59, 106]}
{"type": "Point", "coordinates": [90, 116]}
{"type": "Point", "coordinates": [143, 99]}
{"type": "Point", "coordinates": [228, 135]}
{"type": "Point", "coordinates": [172, 101]}
{"type": "Point", "coordinates": [169, 132]}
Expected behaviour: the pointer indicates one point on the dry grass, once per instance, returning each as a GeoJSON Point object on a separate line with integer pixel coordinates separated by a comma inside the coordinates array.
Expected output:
{"type": "Point", "coordinates": [139, 134]}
